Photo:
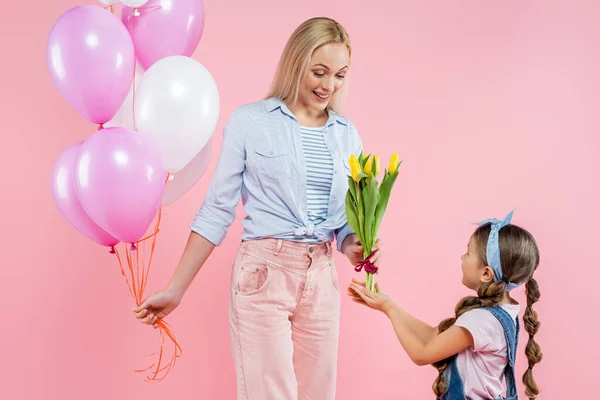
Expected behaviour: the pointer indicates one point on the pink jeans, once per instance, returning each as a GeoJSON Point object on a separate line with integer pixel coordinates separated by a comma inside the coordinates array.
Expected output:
{"type": "Point", "coordinates": [284, 319]}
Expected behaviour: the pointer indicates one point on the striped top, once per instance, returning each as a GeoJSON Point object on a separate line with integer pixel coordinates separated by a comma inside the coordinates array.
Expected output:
{"type": "Point", "coordinates": [319, 173]}
{"type": "Point", "coordinates": [274, 207]}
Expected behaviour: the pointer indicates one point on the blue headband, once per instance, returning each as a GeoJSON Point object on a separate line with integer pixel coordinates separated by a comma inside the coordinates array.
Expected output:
{"type": "Point", "coordinates": [493, 249]}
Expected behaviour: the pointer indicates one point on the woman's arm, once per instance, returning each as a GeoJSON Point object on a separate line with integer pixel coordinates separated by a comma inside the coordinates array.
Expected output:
{"type": "Point", "coordinates": [196, 252]}
{"type": "Point", "coordinates": [210, 224]}
{"type": "Point", "coordinates": [217, 213]}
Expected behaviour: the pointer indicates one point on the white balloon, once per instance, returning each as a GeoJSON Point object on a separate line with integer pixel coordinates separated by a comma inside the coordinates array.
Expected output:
{"type": "Point", "coordinates": [184, 180]}
{"type": "Point", "coordinates": [124, 116]}
{"type": "Point", "coordinates": [110, 2]}
{"type": "Point", "coordinates": [177, 107]}
{"type": "Point", "coordinates": [134, 3]}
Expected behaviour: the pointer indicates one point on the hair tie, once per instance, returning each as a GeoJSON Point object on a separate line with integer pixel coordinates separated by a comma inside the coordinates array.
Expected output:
{"type": "Point", "coordinates": [493, 249]}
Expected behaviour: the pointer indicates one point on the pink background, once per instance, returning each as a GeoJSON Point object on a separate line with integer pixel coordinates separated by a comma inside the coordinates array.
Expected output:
{"type": "Point", "coordinates": [492, 105]}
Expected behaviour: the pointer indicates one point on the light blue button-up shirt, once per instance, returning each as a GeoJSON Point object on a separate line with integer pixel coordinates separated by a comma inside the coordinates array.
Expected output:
{"type": "Point", "coordinates": [262, 161]}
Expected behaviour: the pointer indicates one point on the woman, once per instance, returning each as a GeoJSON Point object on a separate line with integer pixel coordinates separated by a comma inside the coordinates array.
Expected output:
{"type": "Point", "coordinates": [287, 157]}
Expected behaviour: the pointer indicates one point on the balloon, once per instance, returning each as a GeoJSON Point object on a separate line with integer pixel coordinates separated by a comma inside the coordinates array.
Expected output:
{"type": "Point", "coordinates": [124, 116]}
{"type": "Point", "coordinates": [164, 28]}
{"type": "Point", "coordinates": [119, 181]}
{"type": "Point", "coordinates": [183, 181]}
{"type": "Point", "coordinates": [134, 3]}
{"type": "Point", "coordinates": [63, 192]}
{"type": "Point", "coordinates": [110, 2]}
{"type": "Point", "coordinates": [177, 107]}
{"type": "Point", "coordinates": [91, 60]}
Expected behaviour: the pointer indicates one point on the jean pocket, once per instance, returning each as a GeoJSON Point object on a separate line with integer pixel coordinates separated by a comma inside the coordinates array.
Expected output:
{"type": "Point", "coordinates": [252, 276]}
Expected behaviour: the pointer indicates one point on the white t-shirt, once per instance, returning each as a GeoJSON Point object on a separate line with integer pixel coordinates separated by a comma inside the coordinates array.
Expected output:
{"type": "Point", "coordinates": [481, 366]}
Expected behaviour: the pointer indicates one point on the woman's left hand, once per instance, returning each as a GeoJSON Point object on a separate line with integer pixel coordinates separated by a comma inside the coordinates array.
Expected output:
{"type": "Point", "coordinates": [353, 249]}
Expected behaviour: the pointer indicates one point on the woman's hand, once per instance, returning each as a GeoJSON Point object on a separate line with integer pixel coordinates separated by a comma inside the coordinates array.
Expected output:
{"type": "Point", "coordinates": [157, 306]}
{"type": "Point", "coordinates": [353, 249]}
{"type": "Point", "coordinates": [377, 301]}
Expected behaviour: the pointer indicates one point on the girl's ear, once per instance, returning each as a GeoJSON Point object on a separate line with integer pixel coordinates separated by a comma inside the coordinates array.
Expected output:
{"type": "Point", "coordinates": [487, 275]}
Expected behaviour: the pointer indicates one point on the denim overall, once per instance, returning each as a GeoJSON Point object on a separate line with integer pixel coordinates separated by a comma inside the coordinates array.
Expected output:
{"type": "Point", "coordinates": [455, 385]}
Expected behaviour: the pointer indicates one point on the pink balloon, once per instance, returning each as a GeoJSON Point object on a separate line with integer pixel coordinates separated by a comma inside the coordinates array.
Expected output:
{"type": "Point", "coordinates": [63, 192]}
{"type": "Point", "coordinates": [164, 28]}
{"type": "Point", "coordinates": [184, 180]}
{"type": "Point", "coordinates": [91, 59]}
{"type": "Point", "coordinates": [119, 180]}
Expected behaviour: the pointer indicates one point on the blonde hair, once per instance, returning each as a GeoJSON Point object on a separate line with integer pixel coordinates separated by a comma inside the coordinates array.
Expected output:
{"type": "Point", "coordinates": [295, 59]}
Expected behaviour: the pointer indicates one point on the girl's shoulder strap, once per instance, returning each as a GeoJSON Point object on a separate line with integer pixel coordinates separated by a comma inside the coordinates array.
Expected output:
{"type": "Point", "coordinates": [511, 333]}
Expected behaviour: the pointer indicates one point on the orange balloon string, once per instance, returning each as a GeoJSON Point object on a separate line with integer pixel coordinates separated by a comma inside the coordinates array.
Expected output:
{"type": "Point", "coordinates": [136, 283]}
{"type": "Point", "coordinates": [123, 273]}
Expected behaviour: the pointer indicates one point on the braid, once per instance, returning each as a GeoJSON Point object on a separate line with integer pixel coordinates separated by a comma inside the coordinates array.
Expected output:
{"type": "Point", "coordinates": [488, 295]}
{"type": "Point", "coordinates": [532, 350]}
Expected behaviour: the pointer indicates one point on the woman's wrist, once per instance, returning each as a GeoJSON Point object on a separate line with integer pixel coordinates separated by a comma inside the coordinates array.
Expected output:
{"type": "Point", "coordinates": [351, 238]}
{"type": "Point", "coordinates": [177, 290]}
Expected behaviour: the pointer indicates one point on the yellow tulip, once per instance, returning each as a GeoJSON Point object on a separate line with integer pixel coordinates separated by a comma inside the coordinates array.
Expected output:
{"type": "Point", "coordinates": [369, 166]}
{"type": "Point", "coordinates": [355, 169]}
{"type": "Point", "coordinates": [394, 163]}
{"type": "Point", "coordinates": [377, 166]}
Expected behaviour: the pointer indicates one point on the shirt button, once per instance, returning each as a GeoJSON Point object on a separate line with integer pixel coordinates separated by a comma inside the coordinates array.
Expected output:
{"type": "Point", "coordinates": [335, 171]}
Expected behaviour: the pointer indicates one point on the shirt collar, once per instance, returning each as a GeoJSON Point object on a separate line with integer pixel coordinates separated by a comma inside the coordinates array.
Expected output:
{"type": "Point", "coordinates": [274, 103]}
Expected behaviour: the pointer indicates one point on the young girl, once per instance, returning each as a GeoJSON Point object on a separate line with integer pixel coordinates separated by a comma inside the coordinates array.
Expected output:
{"type": "Point", "coordinates": [474, 350]}
{"type": "Point", "coordinates": [286, 157]}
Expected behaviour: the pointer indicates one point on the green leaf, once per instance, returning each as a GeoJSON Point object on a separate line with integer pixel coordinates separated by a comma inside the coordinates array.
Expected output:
{"type": "Point", "coordinates": [352, 188]}
{"type": "Point", "coordinates": [371, 200]}
{"type": "Point", "coordinates": [363, 161]}
{"type": "Point", "coordinates": [385, 191]}
{"type": "Point", "coordinates": [351, 213]}
{"type": "Point", "coordinates": [361, 213]}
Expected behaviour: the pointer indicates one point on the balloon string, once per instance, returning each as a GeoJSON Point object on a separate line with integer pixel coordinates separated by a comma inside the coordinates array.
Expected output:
{"type": "Point", "coordinates": [123, 273]}
{"type": "Point", "coordinates": [137, 285]}
{"type": "Point", "coordinates": [135, 13]}
{"type": "Point", "coordinates": [152, 247]}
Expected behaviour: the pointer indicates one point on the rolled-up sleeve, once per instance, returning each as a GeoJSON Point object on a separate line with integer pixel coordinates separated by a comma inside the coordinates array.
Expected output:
{"type": "Point", "coordinates": [219, 208]}
{"type": "Point", "coordinates": [356, 146]}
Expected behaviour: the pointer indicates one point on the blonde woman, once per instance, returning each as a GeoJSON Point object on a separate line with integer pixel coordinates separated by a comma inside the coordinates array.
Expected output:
{"type": "Point", "coordinates": [287, 158]}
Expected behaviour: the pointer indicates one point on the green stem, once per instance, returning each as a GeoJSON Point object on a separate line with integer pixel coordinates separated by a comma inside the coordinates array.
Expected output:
{"type": "Point", "coordinates": [361, 215]}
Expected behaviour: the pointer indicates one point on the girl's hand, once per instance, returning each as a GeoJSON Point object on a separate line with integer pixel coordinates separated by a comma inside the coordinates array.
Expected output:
{"type": "Point", "coordinates": [377, 301]}
{"type": "Point", "coordinates": [353, 249]}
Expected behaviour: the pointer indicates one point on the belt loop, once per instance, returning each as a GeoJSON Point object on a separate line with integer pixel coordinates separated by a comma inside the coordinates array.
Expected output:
{"type": "Point", "coordinates": [278, 247]}
{"type": "Point", "coordinates": [329, 252]}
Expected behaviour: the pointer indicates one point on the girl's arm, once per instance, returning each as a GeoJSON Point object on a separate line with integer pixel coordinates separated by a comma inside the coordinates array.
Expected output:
{"type": "Point", "coordinates": [420, 341]}
{"type": "Point", "coordinates": [425, 332]}
{"type": "Point", "coordinates": [446, 344]}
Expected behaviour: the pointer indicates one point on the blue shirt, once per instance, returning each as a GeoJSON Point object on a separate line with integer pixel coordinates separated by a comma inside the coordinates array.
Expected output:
{"type": "Point", "coordinates": [262, 160]}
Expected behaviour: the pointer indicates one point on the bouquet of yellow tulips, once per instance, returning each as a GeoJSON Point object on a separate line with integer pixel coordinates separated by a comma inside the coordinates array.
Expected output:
{"type": "Point", "coordinates": [366, 202]}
